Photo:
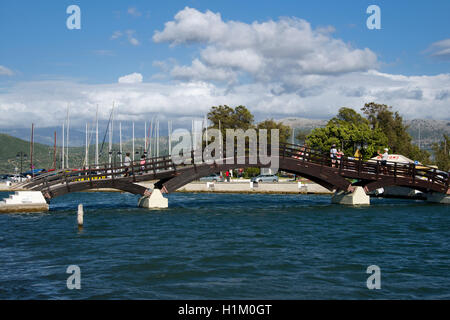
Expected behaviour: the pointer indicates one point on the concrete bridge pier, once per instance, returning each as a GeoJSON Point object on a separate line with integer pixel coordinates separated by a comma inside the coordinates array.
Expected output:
{"type": "Point", "coordinates": [438, 197]}
{"type": "Point", "coordinates": [24, 201]}
{"type": "Point", "coordinates": [356, 197]}
{"type": "Point", "coordinates": [154, 201]}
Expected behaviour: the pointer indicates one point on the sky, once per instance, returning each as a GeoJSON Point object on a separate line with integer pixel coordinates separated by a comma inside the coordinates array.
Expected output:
{"type": "Point", "coordinates": [175, 59]}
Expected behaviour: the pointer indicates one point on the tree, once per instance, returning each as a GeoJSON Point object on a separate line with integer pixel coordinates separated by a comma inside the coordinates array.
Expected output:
{"type": "Point", "coordinates": [348, 130]}
{"type": "Point", "coordinates": [229, 118]}
{"type": "Point", "coordinates": [284, 131]}
{"type": "Point", "coordinates": [442, 153]}
{"type": "Point", "coordinates": [391, 124]}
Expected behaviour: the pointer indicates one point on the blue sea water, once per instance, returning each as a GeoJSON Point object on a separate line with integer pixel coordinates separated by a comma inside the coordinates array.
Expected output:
{"type": "Point", "coordinates": [226, 246]}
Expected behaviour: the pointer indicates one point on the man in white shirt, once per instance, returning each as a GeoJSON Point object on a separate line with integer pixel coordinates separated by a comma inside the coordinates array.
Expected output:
{"type": "Point", "coordinates": [333, 152]}
{"type": "Point", "coordinates": [127, 162]}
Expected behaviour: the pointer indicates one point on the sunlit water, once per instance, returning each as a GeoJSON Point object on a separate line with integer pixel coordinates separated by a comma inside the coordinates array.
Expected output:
{"type": "Point", "coordinates": [224, 246]}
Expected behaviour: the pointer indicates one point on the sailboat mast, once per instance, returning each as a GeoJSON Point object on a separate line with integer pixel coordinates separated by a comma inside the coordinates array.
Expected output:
{"type": "Point", "coordinates": [150, 136]}
{"type": "Point", "coordinates": [169, 129]}
{"type": "Point", "coordinates": [145, 137]}
{"type": "Point", "coordinates": [157, 138]}
{"type": "Point", "coordinates": [86, 156]}
{"type": "Point", "coordinates": [67, 144]}
{"type": "Point", "coordinates": [62, 147]}
{"type": "Point", "coordinates": [133, 143]}
{"type": "Point", "coordinates": [31, 149]}
{"type": "Point", "coordinates": [54, 153]}
{"type": "Point", "coordinates": [96, 138]}
{"type": "Point", "coordinates": [120, 142]}
{"type": "Point", "coordinates": [110, 145]}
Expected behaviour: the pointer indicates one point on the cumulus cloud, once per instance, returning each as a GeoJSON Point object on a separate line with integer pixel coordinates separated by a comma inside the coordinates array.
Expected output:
{"type": "Point", "coordinates": [275, 68]}
{"type": "Point", "coordinates": [131, 78]}
{"type": "Point", "coordinates": [45, 102]}
{"type": "Point", "coordinates": [4, 71]}
{"type": "Point", "coordinates": [267, 51]}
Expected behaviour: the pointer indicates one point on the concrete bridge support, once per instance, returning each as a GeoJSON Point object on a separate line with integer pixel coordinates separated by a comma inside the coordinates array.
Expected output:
{"type": "Point", "coordinates": [154, 201]}
{"type": "Point", "coordinates": [356, 197]}
{"type": "Point", "coordinates": [438, 197]}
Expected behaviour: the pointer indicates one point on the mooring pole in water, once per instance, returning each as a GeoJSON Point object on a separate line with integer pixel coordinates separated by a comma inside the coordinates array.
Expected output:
{"type": "Point", "coordinates": [80, 215]}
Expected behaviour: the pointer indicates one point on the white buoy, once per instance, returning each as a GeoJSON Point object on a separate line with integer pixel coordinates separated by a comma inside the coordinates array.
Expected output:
{"type": "Point", "coordinates": [80, 215]}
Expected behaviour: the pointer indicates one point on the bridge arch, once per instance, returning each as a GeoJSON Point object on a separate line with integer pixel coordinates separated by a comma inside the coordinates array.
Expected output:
{"type": "Point", "coordinates": [63, 189]}
{"type": "Point", "coordinates": [324, 176]}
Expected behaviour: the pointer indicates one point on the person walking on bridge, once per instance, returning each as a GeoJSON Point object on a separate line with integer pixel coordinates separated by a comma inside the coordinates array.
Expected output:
{"type": "Point", "coordinates": [339, 156]}
{"type": "Point", "coordinates": [333, 152]}
{"type": "Point", "coordinates": [127, 163]}
{"type": "Point", "coordinates": [142, 163]}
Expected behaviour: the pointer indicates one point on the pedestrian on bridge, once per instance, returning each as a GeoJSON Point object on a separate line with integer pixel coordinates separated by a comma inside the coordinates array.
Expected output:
{"type": "Point", "coordinates": [127, 163]}
{"type": "Point", "coordinates": [339, 156]}
{"type": "Point", "coordinates": [333, 152]}
{"type": "Point", "coordinates": [142, 163]}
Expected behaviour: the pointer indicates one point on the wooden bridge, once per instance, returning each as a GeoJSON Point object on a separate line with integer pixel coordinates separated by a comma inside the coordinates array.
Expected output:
{"type": "Point", "coordinates": [296, 159]}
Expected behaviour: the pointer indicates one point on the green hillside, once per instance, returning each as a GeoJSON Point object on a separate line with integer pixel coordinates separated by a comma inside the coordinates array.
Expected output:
{"type": "Point", "coordinates": [43, 154]}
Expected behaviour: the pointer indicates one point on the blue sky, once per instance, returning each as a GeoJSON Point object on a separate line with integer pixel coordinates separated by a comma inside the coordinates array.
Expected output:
{"type": "Point", "coordinates": [38, 48]}
{"type": "Point", "coordinates": [38, 45]}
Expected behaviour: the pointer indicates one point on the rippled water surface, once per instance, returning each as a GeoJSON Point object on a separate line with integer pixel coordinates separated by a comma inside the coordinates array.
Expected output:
{"type": "Point", "coordinates": [223, 246]}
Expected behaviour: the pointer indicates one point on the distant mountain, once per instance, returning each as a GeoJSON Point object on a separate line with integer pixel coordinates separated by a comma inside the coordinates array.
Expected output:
{"type": "Point", "coordinates": [427, 131]}
{"type": "Point", "coordinates": [303, 123]}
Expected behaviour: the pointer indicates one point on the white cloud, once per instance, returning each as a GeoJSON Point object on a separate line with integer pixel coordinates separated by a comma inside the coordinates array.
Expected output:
{"type": "Point", "coordinates": [441, 49]}
{"type": "Point", "coordinates": [267, 51]}
{"type": "Point", "coordinates": [133, 11]}
{"type": "Point", "coordinates": [130, 35]}
{"type": "Point", "coordinates": [198, 71]}
{"type": "Point", "coordinates": [116, 35]}
{"type": "Point", "coordinates": [131, 78]}
{"type": "Point", "coordinates": [275, 68]}
{"type": "Point", "coordinates": [4, 71]}
{"type": "Point", "coordinates": [319, 97]}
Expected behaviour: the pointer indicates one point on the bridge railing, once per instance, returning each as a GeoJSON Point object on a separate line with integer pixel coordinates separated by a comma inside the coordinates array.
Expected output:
{"type": "Point", "coordinates": [372, 167]}
{"type": "Point", "coordinates": [345, 165]}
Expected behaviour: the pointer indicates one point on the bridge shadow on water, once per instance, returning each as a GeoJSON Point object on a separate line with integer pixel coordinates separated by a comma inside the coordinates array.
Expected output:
{"type": "Point", "coordinates": [234, 202]}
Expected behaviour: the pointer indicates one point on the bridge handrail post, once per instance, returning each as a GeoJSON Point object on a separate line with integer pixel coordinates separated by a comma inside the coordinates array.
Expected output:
{"type": "Point", "coordinates": [112, 171]}
{"type": "Point", "coordinates": [90, 176]}
{"type": "Point", "coordinates": [395, 171]}
{"type": "Point", "coordinates": [378, 168]}
{"type": "Point", "coordinates": [359, 166]}
{"type": "Point", "coordinates": [153, 166]}
{"type": "Point", "coordinates": [193, 159]}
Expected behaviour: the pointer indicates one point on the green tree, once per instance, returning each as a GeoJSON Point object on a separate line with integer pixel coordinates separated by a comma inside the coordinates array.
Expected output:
{"type": "Point", "coordinates": [348, 130]}
{"type": "Point", "coordinates": [442, 153]}
{"type": "Point", "coordinates": [391, 124]}
{"type": "Point", "coordinates": [229, 118]}
{"type": "Point", "coordinates": [284, 131]}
